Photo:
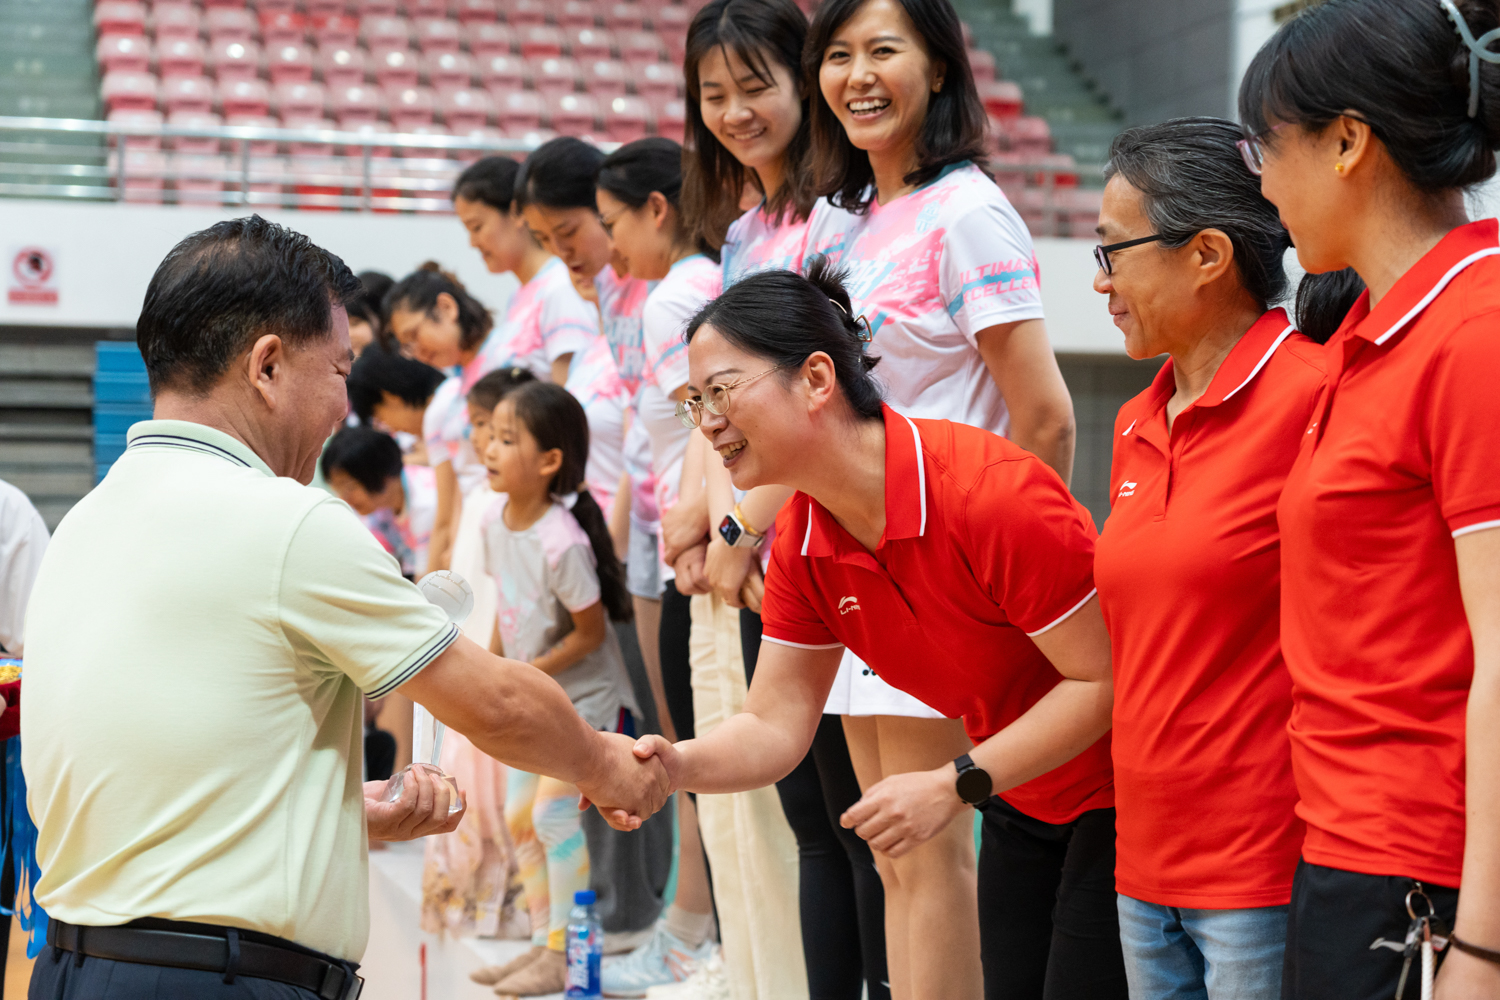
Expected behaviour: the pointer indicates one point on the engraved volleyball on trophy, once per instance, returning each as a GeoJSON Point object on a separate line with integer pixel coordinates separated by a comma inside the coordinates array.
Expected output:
{"type": "Point", "coordinates": [452, 594]}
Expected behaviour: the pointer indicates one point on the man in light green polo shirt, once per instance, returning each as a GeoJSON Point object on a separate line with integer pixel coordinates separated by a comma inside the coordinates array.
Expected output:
{"type": "Point", "coordinates": [201, 634]}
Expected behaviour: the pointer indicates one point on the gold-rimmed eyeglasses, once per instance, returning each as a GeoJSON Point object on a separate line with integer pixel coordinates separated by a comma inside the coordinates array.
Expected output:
{"type": "Point", "coordinates": [715, 399]}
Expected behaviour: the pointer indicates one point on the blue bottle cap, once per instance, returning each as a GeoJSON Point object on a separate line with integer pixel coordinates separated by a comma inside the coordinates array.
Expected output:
{"type": "Point", "coordinates": [585, 897]}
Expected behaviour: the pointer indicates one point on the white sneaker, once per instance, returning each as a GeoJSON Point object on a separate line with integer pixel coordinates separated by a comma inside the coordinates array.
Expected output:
{"type": "Point", "coordinates": [663, 960]}
{"type": "Point", "coordinates": [708, 982]}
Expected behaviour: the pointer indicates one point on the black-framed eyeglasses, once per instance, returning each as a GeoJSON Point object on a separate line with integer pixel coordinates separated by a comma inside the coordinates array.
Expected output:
{"type": "Point", "coordinates": [1101, 253]}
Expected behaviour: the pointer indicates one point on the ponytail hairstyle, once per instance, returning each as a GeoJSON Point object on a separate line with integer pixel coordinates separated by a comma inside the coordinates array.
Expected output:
{"type": "Point", "coordinates": [490, 389]}
{"type": "Point", "coordinates": [637, 169]}
{"type": "Point", "coordinates": [556, 419]}
{"type": "Point", "coordinates": [419, 291]}
{"type": "Point", "coordinates": [1323, 300]}
{"type": "Point", "coordinates": [757, 32]}
{"type": "Point", "coordinates": [1402, 67]}
{"type": "Point", "coordinates": [491, 180]}
{"type": "Point", "coordinates": [752, 315]}
{"type": "Point", "coordinates": [560, 174]}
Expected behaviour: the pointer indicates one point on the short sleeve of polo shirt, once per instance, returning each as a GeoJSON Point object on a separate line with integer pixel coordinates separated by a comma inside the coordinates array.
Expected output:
{"type": "Point", "coordinates": [569, 323]}
{"type": "Point", "coordinates": [1031, 543]}
{"type": "Point", "coordinates": [787, 616]}
{"type": "Point", "coordinates": [1461, 428]}
{"type": "Point", "coordinates": [345, 608]}
{"type": "Point", "coordinates": [988, 273]}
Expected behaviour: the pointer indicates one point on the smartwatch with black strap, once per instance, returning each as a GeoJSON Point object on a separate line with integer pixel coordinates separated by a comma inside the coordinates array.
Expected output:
{"type": "Point", "coordinates": [974, 785]}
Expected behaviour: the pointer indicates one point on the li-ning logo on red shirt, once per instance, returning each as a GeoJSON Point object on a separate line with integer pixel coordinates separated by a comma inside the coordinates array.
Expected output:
{"type": "Point", "coordinates": [1127, 489]}
{"type": "Point", "coordinates": [848, 604]}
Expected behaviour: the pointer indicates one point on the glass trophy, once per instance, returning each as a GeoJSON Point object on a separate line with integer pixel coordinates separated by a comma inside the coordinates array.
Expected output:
{"type": "Point", "coordinates": [451, 592]}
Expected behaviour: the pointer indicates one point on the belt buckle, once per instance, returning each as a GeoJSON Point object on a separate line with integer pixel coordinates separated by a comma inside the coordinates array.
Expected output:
{"type": "Point", "coordinates": [356, 987]}
{"type": "Point", "coordinates": [350, 984]}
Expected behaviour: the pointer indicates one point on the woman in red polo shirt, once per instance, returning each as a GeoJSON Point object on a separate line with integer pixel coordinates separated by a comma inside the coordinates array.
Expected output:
{"type": "Point", "coordinates": [957, 566]}
{"type": "Point", "coordinates": [1188, 565]}
{"type": "Point", "coordinates": [1367, 120]}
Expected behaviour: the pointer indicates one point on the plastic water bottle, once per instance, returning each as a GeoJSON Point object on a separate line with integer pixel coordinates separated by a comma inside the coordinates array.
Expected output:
{"type": "Point", "coordinates": [585, 948]}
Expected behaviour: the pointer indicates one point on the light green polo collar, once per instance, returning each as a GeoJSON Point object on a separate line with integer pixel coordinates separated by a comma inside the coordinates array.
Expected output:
{"type": "Point", "coordinates": [198, 438]}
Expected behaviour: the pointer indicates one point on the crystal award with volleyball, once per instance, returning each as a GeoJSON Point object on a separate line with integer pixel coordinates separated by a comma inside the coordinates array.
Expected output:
{"type": "Point", "coordinates": [452, 594]}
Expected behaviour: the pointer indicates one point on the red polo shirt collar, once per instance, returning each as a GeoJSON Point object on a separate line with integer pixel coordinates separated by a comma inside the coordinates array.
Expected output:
{"type": "Point", "coordinates": [906, 495]}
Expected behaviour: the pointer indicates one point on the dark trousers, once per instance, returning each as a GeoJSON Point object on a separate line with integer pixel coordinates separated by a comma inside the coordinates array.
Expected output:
{"type": "Point", "coordinates": [1049, 927]}
{"type": "Point", "coordinates": [841, 900]}
{"type": "Point", "coordinates": [58, 976]}
{"type": "Point", "coordinates": [676, 667]}
{"type": "Point", "coordinates": [1334, 919]}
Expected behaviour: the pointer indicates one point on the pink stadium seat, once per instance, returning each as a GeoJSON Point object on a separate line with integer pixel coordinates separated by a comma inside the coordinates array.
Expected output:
{"type": "Point", "coordinates": [395, 67]}
{"type": "Point", "coordinates": [376, 8]}
{"type": "Point", "coordinates": [180, 57]}
{"type": "Point", "coordinates": [326, 8]}
{"type": "Point", "coordinates": [541, 40]}
{"type": "Point", "coordinates": [300, 100]}
{"type": "Point", "coordinates": [519, 110]}
{"type": "Point", "coordinates": [587, 44]}
{"type": "Point", "coordinates": [968, 33]}
{"type": "Point", "coordinates": [369, 129]}
{"type": "Point", "coordinates": [335, 29]}
{"type": "Point", "coordinates": [556, 75]}
{"type": "Point", "coordinates": [639, 47]}
{"type": "Point", "coordinates": [130, 92]}
{"type": "Point", "coordinates": [573, 114]}
{"type": "Point", "coordinates": [526, 13]}
{"type": "Point", "coordinates": [283, 28]}
{"type": "Point", "coordinates": [244, 97]}
{"type": "Point", "coordinates": [671, 118]}
{"type": "Point", "coordinates": [343, 65]}
{"type": "Point", "coordinates": [382, 32]}
{"type": "Point", "coordinates": [490, 38]}
{"type": "Point", "coordinates": [195, 119]}
{"type": "Point", "coordinates": [230, 24]}
{"type": "Point", "coordinates": [983, 65]}
{"type": "Point", "coordinates": [258, 147]}
{"type": "Point", "coordinates": [578, 14]}
{"type": "Point", "coordinates": [660, 80]}
{"type": "Point", "coordinates": [176, 20]}
{"type": "Point", "coordinates": [502, 73]}
{"type": "Point", "coordinates": [449, 70]}
{"type": "Point", "coordinates": [671, 20]}
{"type": "Point", "coordinates": [1030, 136]}
{"type": "Point", "coordinates": [128, 117]}
{"type": "Point", "coordinates": [198, 178]}
{"type": "Point", "coordinates": [486, 134]}
{"type": "Point", "coordinates": [1002, 98]}
{"type": "Point", "coordinates": [145, 171]}
{"type": "Point", "coordinates": [222, 4]}
{"type": "Point", "coordinates": [411, 106]}
{"type": "Point", "coordinates": [427, 10]}
{"type": "Point", "coordinates": [120, 17]}
{"type": "Point", "coordinates": [625, 16]}
{"type": "Point", "coordinates": [605, 78]}
{"type": "Point", "coordinates": [437, 35]}
{"type": "Point", "coordinates": [532, 137]}
{"type": "Point", "coordinates": [424, 154]}
{"type": "Point", "coordinates": [265, 8]}
{"type": "Point", "coordinates": [123, 54]}
{"type": "Point", "coordinates": [355, 105]}
{"type": "Point", "coordinates": [290, 62]}
{"type": "Point", "coordinates": [626, 119]}
{"type": "Point", "coordinates": [194, 94]}
{"type": "Point", "coordinates": [234, 60]}
{"type": "Point", "coordinates": [465, 109]}
{"type": "Point", "coordinates": [476, 11]}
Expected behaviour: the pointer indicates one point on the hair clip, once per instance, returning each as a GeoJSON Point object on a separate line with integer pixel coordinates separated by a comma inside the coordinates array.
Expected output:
{"type": "Point", "coordinates": [1478, 49]}
{"type": "Point", "coordinates": [862, 330]}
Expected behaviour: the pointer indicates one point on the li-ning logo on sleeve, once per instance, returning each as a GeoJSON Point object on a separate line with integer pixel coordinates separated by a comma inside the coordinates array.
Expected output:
{"type": "Point", "coordinates": [848, 604]}
{"type": "Point", "coordinates": [1127, 489]}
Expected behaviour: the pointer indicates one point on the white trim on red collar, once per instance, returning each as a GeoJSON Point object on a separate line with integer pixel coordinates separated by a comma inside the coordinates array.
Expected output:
{"type": "Point", "coordinates": [921, 474]}
{"type": "Point", "coordinates": [1290, 329]}
{"type": "Point", "coordinates": [807, 538]}
{"type": "Point", "coordinates": [1433, 293]}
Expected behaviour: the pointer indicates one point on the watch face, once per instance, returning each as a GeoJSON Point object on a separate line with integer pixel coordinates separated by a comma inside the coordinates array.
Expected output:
{"type": "Point", "coordinates": [974, 785]}
{"type": "Point", "coordinates": [730, 531]}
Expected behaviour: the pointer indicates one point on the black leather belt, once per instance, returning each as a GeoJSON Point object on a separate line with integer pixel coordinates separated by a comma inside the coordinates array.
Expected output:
{"type": "Point", "coordinates": [210, 948]}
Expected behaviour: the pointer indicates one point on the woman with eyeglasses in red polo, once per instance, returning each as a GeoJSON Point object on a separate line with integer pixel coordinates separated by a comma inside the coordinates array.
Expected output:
{"type": "Point", "coordinates": [1367, 121]}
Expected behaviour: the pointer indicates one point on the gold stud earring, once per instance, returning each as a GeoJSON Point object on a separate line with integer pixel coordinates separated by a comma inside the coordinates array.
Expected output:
{"type": "Point", "coordinates": [1339, 167]}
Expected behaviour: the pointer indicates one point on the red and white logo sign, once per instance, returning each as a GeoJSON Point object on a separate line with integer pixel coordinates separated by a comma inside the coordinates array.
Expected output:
{"type": "Point", "coordinates": [33, 277]}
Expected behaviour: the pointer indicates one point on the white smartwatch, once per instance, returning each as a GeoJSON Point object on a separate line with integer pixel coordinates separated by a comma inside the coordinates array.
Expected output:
{"type": "Point", "coordinates": [736, 533]}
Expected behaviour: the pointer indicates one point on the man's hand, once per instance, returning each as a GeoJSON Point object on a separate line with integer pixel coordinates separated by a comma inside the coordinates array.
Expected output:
{"type": "Point", "coordinates": [905, 810]}
{"type": "Point", "coordinates": [689, 569]}
{"type": "Point", "coordinates": [627, 789]}
{"type": "Point", "coordinates": [726, 569]}
{"type": "Point", "coordinates": [421, 811]}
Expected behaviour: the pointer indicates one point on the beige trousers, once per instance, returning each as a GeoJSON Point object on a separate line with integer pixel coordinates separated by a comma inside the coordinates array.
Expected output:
{"type": "Point", "coordinates": [751, 850]}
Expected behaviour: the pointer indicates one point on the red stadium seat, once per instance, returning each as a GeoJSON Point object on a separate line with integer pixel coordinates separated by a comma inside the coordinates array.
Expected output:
{"type": "Point", "coordinates": [465, 109]}
{"type": "Point", "coordinates": [605, 78]}
{"type": "Point", "coordinates": [120, 17]}
{"type": "Point", "coordinates": [573, 114]}
{"type": "Point", "coordinates": [230, 24]}
{"type": "Point", "coordinates": [437, 35]}
{"type": "Point", "coordinates": [658, 80]}
{"type": "Point", "coordinates": [449, 70]}
{"type": "Point", "coordinates": [396, 68]}
{"type": "Point", "coordinates": [129, 117]}
{"type": "Point", "coordinates": [172, 21]}
{"type": "Point", "coordinates": [526, 13]}
{"type": "Point", "coordinates": [290, 62]}
{"type": "Point", "coordinates": [1030, 136]}
{"type": "Point", "coordinates": [355, 105]}
{"type": "Point", "coordinates": [502, 73]}
{"type": "Point", "coordinates": [283, 28]}
{"type": "Point", "coordinates": [180, 57]}
{"type": "Point", "coordinates": [411, 106]}
{"type": "Point", "coordinates": [194, 94]}
{"type": "Point", "coordinates": [343, 65]}
{"type": "Point", "coordinates": [556, 75]}
{"type": "Point", "coordinates": [578, 14]}
{"type": "Point", "coordinates": [335, 29]}
{"type": "Point", "coordinates": [382, 32]}
{"type": "Point", "coordinates": [626, 119]}
{"type": "Point", "coordinates": [376, 8]}
{"type": "Point", "coordinates": [477, 11]}
{"type": "Point", "coordinates": [587, 44]}
{"type": "Point", "coordinates": [1002, 98]}
{"type": "Point", "coordinates": [625, 16]}
{"type": "Point", "coordinates": [300, 100]}
{"type": "Point", "coordinates": [490, 38]}
{"type": "Point", "coordinates": [123, 54]}
{"type": "Point", "coordinates": [519, 110]}
{"type": "Point", "coordinates": [671, 118]}
{"type": "Point", "coordinates": [130, 92]}
{"type": "Point", "coordinates": [244, 97]}
{"type": "Point", "coordinates": [223, 4]}
{"type": "Point", "coordinates": [267, 8]}
{"type": "Point", "coordinates": [195, 119]}
{"type": "Point", "coordinates": [671, 20]}
{"type": "Point", "coordinates": [982, 64]}
{"type": "Point", "coordinates": [541, 40]}
{"type": "Point", "coordinates": [326, 8]}
{"type": "Point", "coordinates": [234, 60]}
{"type": "Point", "coordinates": [426, 10]}
{"type": "Point", "coordinates": [641, 47]}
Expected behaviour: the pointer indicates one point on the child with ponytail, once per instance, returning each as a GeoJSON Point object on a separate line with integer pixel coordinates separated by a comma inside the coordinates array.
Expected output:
{"type": "Point", "coordinates": [559, 585]}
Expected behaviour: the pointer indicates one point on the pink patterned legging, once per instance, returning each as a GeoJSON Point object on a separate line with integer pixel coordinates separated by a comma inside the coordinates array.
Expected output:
{"type": "Point", "coordinates": [544, 821]}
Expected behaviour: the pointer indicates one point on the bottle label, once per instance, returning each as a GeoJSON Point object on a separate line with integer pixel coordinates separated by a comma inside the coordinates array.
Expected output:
{"type": "Point", "coordinates": [585, 952]}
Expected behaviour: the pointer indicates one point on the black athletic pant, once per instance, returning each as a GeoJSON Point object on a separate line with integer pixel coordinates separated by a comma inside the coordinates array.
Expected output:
{"type": "Point", "coordinates": [676, 667]}
{"type": "Point", "coordinates": [1335, 918]}
{"type": "Point", "coordinates": [1049, 927]}
{"type": "Point", "coordinates": [842, 902]}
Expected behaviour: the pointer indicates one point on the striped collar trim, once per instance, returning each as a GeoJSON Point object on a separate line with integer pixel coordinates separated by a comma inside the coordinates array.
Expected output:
{"type": "Point", "coordinates": [200, 439]}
